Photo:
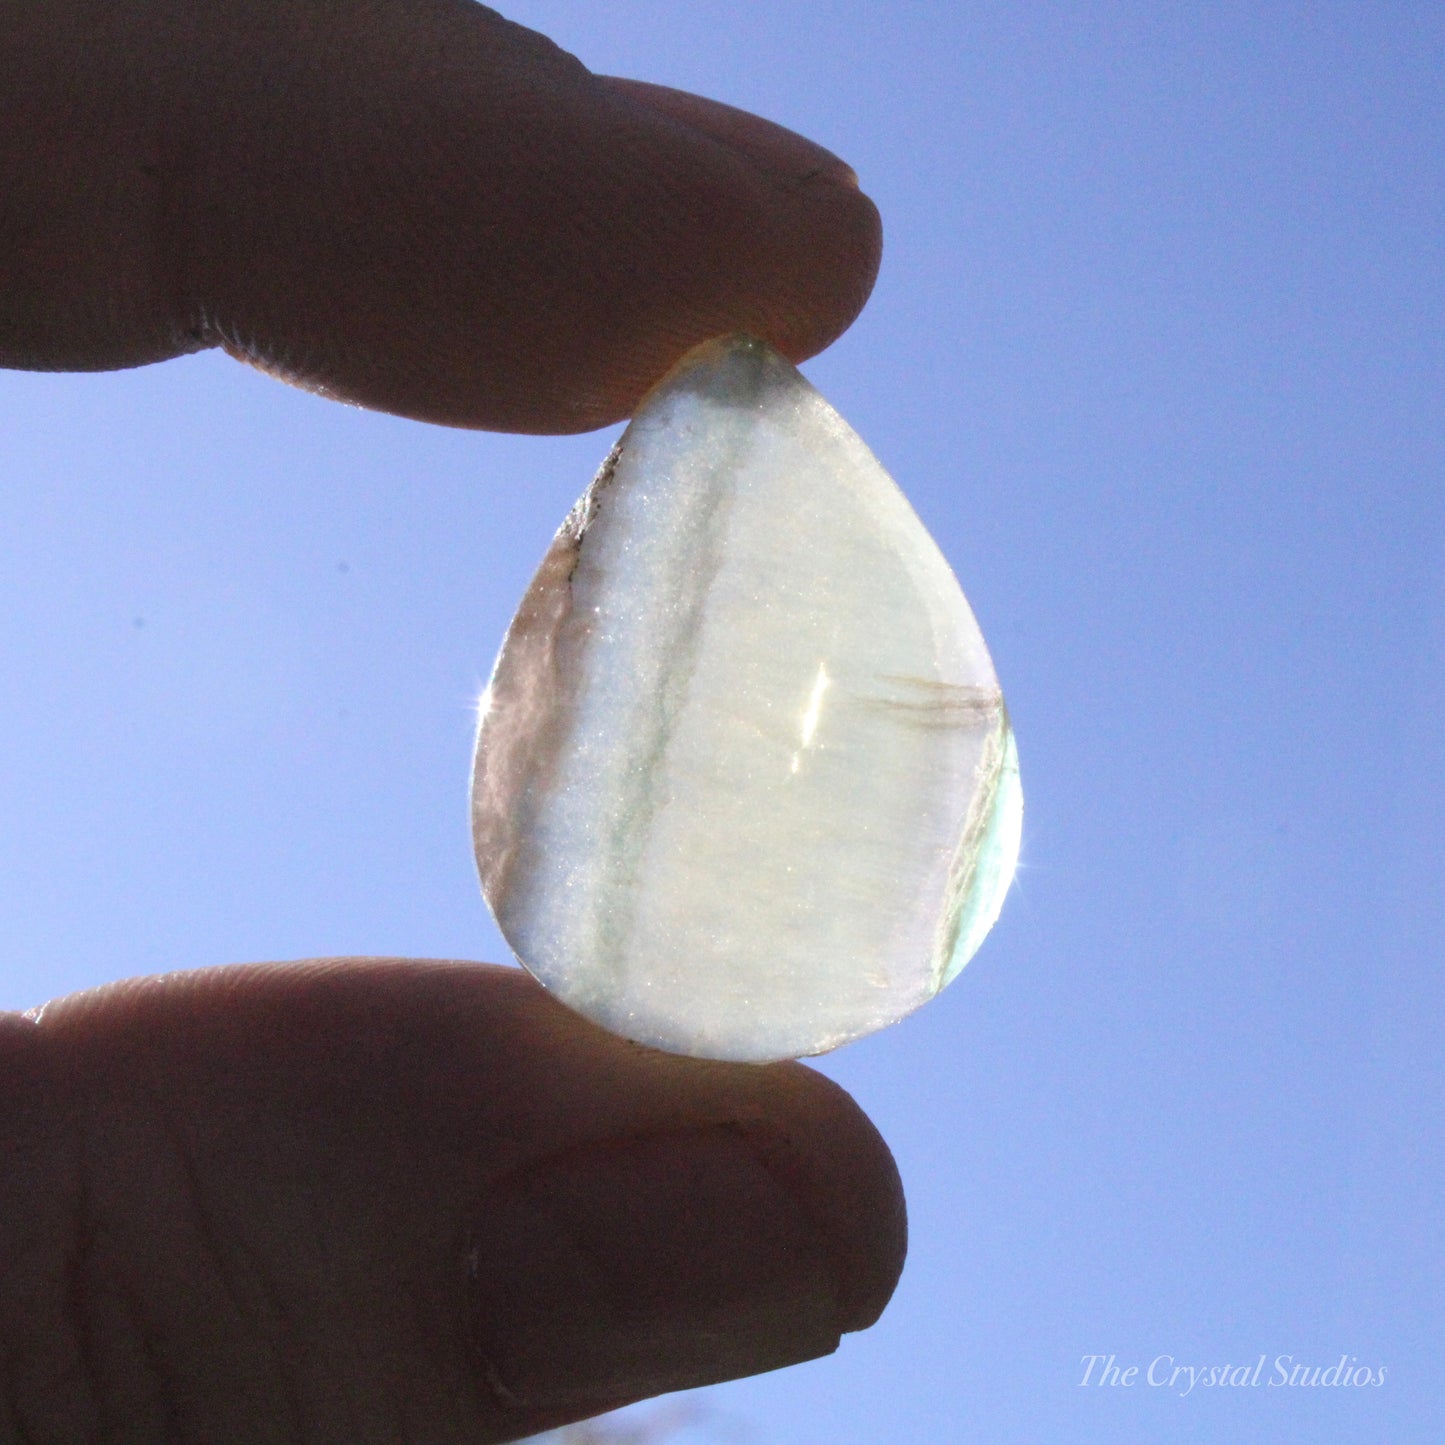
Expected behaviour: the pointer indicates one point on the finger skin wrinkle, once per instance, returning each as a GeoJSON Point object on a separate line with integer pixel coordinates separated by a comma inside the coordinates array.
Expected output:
{"type": "Point", "coordinates": [256, 1309]}
{"type": "Point", "coordinates": [102, 1314]}
{"type": "Point", "coordinates": [133, 1310]}
{"type": "Point", "coordinates": [238, 1262]}
{"type": "Point", "coordinates": [174, 1307]}
{"type": "Point", "coordinates": [45, 1379]}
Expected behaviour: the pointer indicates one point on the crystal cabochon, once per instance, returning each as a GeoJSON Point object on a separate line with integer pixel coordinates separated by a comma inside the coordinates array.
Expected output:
{"type": "Point", "coordinates": [745, 786]}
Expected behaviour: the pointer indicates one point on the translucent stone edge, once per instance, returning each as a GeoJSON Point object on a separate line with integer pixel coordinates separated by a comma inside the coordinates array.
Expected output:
{"type": "Point", "coordinates": [985, 860]}
{"type": "Point", "coordinates": [514, 741]}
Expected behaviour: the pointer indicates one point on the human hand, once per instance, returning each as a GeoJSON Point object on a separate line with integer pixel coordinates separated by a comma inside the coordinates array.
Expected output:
{"type": "Point", "coordinates": [393, 1200]}
{"type": "Point", "coordinates": [409, 204]}
{"type": "Point", "coordinates": [386, 1200]}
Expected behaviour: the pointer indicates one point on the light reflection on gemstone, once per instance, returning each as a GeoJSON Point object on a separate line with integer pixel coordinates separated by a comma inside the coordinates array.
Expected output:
{"type": "Point", "coordinates": [811, 713]}
{"type": "Point", "coordinates": [745, 786]}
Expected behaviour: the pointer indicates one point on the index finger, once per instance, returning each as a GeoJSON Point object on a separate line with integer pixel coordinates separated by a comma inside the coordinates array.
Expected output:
{"type": "Point", "coordinates": [414, 205]}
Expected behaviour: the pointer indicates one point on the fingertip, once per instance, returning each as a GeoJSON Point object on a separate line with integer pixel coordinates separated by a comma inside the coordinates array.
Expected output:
{"type": "Point", "coordinates": [792, 158]}
{"type": "Point", "coordinates": [806, 1131]}
{"type": "Point", "coordinates": [833, 233]}
{"type": "Point", "coordinates": [828, 1153]}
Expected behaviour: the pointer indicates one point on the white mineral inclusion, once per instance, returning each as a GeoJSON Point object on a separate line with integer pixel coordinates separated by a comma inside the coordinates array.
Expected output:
{"type": "Point", "coordinates": [745, 787]}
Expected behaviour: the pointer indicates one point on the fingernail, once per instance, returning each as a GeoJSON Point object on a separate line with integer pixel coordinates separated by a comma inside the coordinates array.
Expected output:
{"type": "Point", "coordinates": [773, 148]}
{"type": "Point", "coordinates": [623, 1270]}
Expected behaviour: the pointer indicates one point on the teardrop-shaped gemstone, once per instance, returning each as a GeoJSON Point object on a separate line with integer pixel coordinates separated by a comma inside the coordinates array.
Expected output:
{"type": "Point", "coordinates": [745, 787]}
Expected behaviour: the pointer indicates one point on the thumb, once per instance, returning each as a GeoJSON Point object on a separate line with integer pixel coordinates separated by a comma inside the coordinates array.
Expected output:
{"type": "Point", "coordinates": [392, 1200]}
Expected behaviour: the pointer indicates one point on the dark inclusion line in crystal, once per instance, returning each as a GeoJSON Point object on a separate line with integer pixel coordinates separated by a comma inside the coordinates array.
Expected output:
{"type": "Point", "coordinates": [964, 865]}
{"type": "Point", "coordinates": [632, 827]}
{"type": "Point", "coordinates": [585, 508]}
{"type": "Point", "coordinates": [535, 631]}
{"type": "Point", "coordinates": [526, 726]}
{"type": "Point", "coordinates": [938, 704]}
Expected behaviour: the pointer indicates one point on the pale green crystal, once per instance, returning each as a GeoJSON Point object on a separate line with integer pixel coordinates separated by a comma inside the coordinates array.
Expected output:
{"type": "Point", "coordinates": [745, 786]}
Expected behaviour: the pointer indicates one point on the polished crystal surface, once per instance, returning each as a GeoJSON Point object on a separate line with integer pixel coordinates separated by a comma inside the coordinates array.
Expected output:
{"type": "Point", "coordinates": [745, 786]}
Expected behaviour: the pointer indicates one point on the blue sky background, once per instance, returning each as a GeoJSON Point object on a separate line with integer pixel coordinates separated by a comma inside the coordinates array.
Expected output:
{"type": "Point", "coordinates": [1156, 352]}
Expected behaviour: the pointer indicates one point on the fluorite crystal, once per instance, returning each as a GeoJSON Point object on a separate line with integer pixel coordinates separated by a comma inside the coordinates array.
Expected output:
{"type": "Point", "coordinates": [745, 786]}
